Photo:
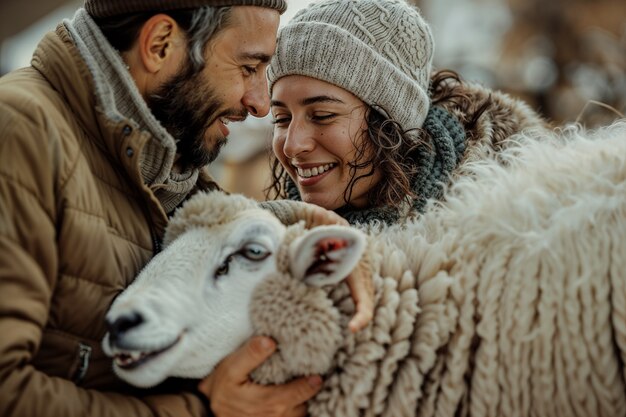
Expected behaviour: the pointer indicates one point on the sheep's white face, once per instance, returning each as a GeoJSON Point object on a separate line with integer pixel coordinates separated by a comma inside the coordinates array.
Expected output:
{"type": "Point", "coordinates": [190, 306]}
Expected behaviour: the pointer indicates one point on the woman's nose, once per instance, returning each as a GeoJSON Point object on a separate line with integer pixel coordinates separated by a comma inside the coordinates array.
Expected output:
{"type": "Point", "coordinates": [299, 140]}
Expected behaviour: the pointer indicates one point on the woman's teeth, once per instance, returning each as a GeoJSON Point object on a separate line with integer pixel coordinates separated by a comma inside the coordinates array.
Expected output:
{"type": "Point", "coordinates": [312, 172]}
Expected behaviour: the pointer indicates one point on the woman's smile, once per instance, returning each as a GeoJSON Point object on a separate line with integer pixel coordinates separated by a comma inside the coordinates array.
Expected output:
{"type": "Point", "coordinates": [308, 176]}
{"type": "Point", "coordinates": [317, 129]}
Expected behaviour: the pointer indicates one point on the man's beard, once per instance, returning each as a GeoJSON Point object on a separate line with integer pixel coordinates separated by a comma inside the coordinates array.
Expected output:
{"type": "Point", "coordinates": [186, 105]}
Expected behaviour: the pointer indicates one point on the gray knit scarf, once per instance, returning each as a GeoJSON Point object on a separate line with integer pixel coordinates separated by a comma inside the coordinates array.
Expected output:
{"type": "Point", "coordinates": [434, 166]}
{"type": "Point", "coordinates": [119, 98]}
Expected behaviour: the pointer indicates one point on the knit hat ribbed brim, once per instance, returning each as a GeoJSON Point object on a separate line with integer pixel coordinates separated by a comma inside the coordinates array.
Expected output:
{"type": "Point", "coordinates": [109, 8]}
{"type": "Point", "coordinates": [379, 50]}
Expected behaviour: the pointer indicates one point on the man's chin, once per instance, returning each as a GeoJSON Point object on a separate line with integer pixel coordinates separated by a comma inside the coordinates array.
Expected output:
{"type": "Point", "coordinates": [201, 155]}
{"type": "Point", "coordinates": [216, 146]}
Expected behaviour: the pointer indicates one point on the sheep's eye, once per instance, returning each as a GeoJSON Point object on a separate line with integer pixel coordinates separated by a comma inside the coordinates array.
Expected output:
{"type": "Point", "coordinates": [254, 252]}
{"type": "Point", "coordinates": [223, 268]}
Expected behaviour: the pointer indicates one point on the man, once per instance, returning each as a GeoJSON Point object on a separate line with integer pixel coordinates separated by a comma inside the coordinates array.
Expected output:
{"type": "Point", "coordinates": [101, 138]}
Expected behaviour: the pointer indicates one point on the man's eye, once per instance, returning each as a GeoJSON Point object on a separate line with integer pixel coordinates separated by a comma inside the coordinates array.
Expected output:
{"type": "Point", "coordinates": [248, 70]}
{"type": "Point", "coordinates": [254, 252]}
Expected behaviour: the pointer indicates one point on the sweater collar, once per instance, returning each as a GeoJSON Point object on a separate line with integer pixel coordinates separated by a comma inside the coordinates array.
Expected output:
{"type": "Point", "coordinates": [119, 99]}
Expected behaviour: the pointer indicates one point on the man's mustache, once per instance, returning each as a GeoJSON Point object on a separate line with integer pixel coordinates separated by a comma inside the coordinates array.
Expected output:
{"type": "Point", "coordinates": [238, 115]}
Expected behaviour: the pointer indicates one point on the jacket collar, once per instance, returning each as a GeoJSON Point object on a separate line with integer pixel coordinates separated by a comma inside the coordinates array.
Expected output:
{"type": "Point", "coordinates": [91, 75]}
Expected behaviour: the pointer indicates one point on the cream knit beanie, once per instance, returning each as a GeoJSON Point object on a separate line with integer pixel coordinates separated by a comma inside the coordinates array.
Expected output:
{"type": "Point", "coordinates": [379, 50]}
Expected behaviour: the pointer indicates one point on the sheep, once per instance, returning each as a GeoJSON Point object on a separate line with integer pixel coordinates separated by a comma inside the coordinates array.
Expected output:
{"type": "Point", "coordinates": [508, 298]}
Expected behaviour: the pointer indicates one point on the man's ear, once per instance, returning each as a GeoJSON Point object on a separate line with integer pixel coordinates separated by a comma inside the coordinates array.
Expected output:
{"type": "Point", "coordinates": [159, 42]}
{"type": "Point", "coordinates": [326, 254]}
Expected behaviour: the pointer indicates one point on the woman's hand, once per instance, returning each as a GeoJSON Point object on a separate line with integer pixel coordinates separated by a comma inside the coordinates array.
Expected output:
{"type": "Point", "coordinates": [359, 281]}
{"type": "Point", "coordinates": [362, 289]}
{"type": "Point", "coordinates": [232, 394]}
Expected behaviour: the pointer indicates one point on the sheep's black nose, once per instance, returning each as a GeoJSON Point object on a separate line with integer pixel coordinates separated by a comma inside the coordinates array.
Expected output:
{"type": "Point", "coordinates": [122, 324]}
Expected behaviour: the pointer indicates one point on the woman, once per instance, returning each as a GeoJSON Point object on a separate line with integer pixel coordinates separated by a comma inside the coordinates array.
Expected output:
{"type": "Point", "coordinates": [361, 125]}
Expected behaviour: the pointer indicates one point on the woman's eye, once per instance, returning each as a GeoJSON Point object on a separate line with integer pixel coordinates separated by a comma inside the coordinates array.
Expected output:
{"type": "Point", "coordinates": [280, 120]}
{"type": "Point", "coordinates": [254, 252]}
{"type": "Point", "coordinates": [322, 117]}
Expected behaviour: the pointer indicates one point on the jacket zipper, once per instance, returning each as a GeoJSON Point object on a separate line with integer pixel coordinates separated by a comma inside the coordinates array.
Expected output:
{"type": "Point", "coordinates": [84, 354]}
{"type": "Point", "coordinates": [156, 244]}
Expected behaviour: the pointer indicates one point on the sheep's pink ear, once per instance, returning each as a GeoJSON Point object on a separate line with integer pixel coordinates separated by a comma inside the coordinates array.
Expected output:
{"type": "Point", "coordinates": [326, 254]}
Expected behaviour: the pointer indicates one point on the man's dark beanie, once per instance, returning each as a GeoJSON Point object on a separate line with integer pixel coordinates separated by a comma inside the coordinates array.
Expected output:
{"type": "Point", "coordinates": [108, 8]}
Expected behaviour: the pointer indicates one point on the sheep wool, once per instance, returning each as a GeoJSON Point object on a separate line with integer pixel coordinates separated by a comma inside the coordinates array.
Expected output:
{"type": "Point", "coordinates": [506, 299]}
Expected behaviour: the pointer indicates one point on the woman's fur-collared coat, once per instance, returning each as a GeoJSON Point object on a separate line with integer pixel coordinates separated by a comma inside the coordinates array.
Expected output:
{"type": "Point", "coordinates": [500, 116]}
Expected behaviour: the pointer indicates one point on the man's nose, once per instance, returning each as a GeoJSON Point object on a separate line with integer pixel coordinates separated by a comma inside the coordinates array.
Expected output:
{"type": "Point", "coordinates": [257, 99]}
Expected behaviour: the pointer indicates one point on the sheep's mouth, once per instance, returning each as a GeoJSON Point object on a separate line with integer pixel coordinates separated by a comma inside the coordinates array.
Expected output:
{"type": "Point", "coordinates": [132, 359]}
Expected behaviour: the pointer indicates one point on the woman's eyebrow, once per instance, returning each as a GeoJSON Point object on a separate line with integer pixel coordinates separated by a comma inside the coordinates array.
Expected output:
{"type": "Point", "coordinates": [320, 99]}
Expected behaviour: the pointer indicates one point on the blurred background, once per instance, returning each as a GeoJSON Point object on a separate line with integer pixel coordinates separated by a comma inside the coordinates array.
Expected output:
{"type": "Point", "coordinates": [566, 58]}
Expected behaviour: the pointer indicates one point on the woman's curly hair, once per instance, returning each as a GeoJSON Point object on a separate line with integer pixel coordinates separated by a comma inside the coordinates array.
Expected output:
{"type": "Point", "coordinates": [390, 149]}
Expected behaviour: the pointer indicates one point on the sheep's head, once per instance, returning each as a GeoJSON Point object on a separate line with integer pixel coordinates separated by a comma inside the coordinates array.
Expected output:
{"type": "Point", "coordinates": [191, 305]}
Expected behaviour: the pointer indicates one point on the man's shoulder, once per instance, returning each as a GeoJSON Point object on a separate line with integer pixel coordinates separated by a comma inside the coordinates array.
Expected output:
{"type": "Point", "coordinates": [35, 125]}
{"type": "Point", "coordinates": [24, 98]}
{"type": "Point", "coordinates": [28, 104]}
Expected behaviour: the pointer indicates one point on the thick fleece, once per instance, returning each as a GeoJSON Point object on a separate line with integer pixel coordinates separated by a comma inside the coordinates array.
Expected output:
{"type": "Point", "coordinates": [507, 299]}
